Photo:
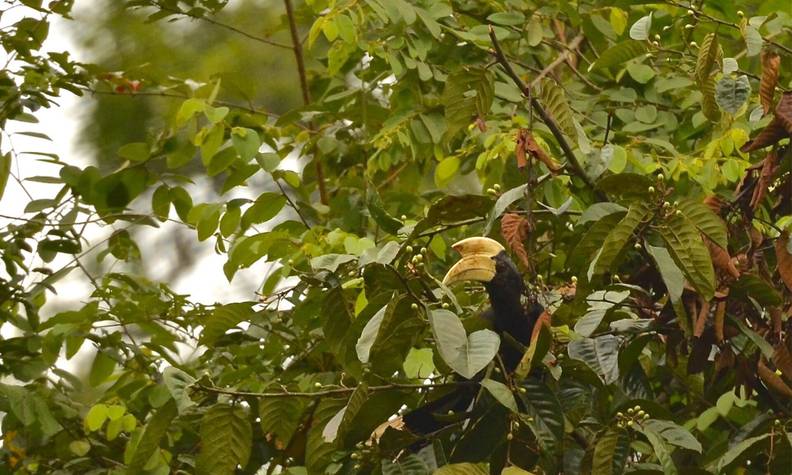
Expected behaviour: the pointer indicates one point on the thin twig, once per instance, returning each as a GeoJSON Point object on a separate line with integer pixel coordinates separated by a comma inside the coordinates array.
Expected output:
{"type": "Point", "coordinates": [223, 25]}
{"type": "Point", "coordinates": [563, 57]}
{"type": "Point", "coordinates": [331, 392]}
{"type": "Point", "coordinates": [306, 92]}
{"type": "Point", "coordinates": [291, 203]}
{"type": "Point", "coordinates": [546, 118]}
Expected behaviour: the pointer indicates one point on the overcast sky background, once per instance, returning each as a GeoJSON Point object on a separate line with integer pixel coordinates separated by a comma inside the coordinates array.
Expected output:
{"type": "Point", "coordinates": [204, 282]}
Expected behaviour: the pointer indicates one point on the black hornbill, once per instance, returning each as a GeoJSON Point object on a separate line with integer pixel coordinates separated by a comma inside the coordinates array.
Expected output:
{"type": "Point", "coordinates": [484, 260]}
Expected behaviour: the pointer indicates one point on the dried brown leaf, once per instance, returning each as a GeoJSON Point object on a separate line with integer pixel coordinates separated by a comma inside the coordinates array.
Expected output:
{"type": "Point", "coordinates": [783, 111]}
{"type": "Point", "coordinates": [782, 358]}
{"type": "Point", "coordinates": [376, 435]}
{"type": "Point", "coordinates": [770, 64]}
{"type": "Point", "coordinates": [773, 381]}
{"type": "Point", "coordinates": [770, 135]}
{"type": "Point", "coordinates": [784, 259]}
{"type": "Point", "coordinates": [701, 321]}
{"type": "Point", "coordinates": [720, 314]}
{"type": "Point", "coordinates": [775, 319]}
{"type": "Point", "coordinates": [721, 259]}
{"type": "Point", "coordinates": [515, 229]}
{"type": "Point", "coordinates": [769, 167]}
{"type": "Point", "coordinates": [538, 153]}
{"type": "Point", "coordinates": [715, 203]}
{"type": "Point", "coordinates": [519, 149]}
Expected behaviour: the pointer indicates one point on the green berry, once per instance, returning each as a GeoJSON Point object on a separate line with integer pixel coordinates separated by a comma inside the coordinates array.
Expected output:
{"type": "Point", "coordinates": [414, 306]}
{"type": "Point", "coordinates": [629, 423]}
{"type": "Point", "coordinates": [496, 187]}
{"type": "Point", "coordinates": [510, 436]}
{"type": "Point", "coordinates": [409, 249]}
{"type": "Point", "coordinates": [317, 384]}
{"type": "Point", "coordinates": [630, 411]}
{"type": "Point", "coordinates": [651, 189]}
{"type": "Point", "coordinates": [445, 305]}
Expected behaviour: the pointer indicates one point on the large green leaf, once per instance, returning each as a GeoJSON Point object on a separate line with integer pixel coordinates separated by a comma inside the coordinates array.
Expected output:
{"type": "Point", "coordinates": [317, 450]}
{"type": "Point", "coordinates": [468, 93]}
{"type": "Point", "coordinates": [226, 438]}
{"type": "Point", "coordinates": [601, 354]}
{"type": "Point", "coordinates": [280, 418]}
{"type": "Point", "coordinates": [547, 417]}
{"type": "Point", "coordinates": [463, 469]}
{"type": "Point", "coordinates": [610, 453]}
{"type": "Point", "coordinates": [224, 318]}
{"type": "Point", "coordinates": [731, 93]}
{"type": "Point", "coordinates": [690, 253]}
{"type": "Point", "coordinates": [618, 238]}
{"type": "Point", "coordinates": [739, 449]}
{"type": "Point", "coordinates": [705, 220]}
{"type": "Point", "coordinates": [149, 441]}
{"type": "Point", "coordinates": [618, 55]}
{"type": "Point", "coordinates": [467, 355]}
{"type": "Point", "coordinates": [673, 434]}
{"type": "Point", "coordinates": [670, 273]}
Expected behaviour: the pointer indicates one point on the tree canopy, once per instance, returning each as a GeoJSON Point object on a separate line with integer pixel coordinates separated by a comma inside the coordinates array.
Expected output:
{"type": "Point", "coordinates": [632, 157]}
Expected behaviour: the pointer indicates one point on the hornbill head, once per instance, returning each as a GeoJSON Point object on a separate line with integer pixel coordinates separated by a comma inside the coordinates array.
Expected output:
{"type": "Point", "coordinates": [485, 260]}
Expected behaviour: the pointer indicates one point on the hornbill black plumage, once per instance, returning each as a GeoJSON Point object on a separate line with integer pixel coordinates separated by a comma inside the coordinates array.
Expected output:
{"type": "Point", "coordinates": [484, 260]}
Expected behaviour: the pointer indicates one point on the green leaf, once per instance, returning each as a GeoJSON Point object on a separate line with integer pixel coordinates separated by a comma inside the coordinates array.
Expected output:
{"type": "Point", "coordinates": [555, 102]}
{"type": "Point", "coordinates": [689, 253]}
{"type": "Point", "coordinates": [266, 207]}
{"type": "Point", "coordinates": [753, 40]}
{"type": "Point", "coordinates": [661, 450]}
{"type": "Point", "coordinates": [5, 171]}
{"type": "Point", "coordinates": [468, 93]}
{"type": "Point", "coordinates": [369, 335]}
{"type": "Point", "coordinates": [224, 318]}
{"type": "Point", "coordinates": [673, 434]}
{"type": "Point", "coordinates": [150, 438]}
{"type": "Point", "coordinates": [507, 18]}
{"type": "Point", "coordinates": [705, 220]}
{"type": "Point", "coordinates": [546, 415]}
{"type": "Point", "coordinates": [601, 354]}
{"type": "Point", "coordinates": [419, 363]}
{"type": "Point", "coordinates": [280, 418]}
{"type": "Point", "coordinates": [670, 273]}
{"type": "Point", "coordinates": [96, 416]}
{"type": "Point", "coordinates": [738, 449]}
{"type": "Point", "coordinates": [178, 383]}
{"type": "Point", "coordinates": [446, 170]}
{"type": "Point", "coordinates": [618, 238]}
{"type": "Point", "coordinates": [465, 355]}
{"type": "Point", "coordinates": [618, 55]}
{"type": "Point", "coordinates": [731, 93]}
{"type": "Point", "coordinates": [188, 109]}
{"type": "Point", "coordinates": [101, 369]}
{"type": "Point", "coordinates": [226, 438]}
{"type": "Point", "coordinates": [317, 451]}
{"type": "Point", "coordinates": [504, 201]}
{"type": "Point", "coordinates": [501, 393]}
{"type": "Point", "coordinates": [246, 143]}
{"type": "Point", "coordinates": [463, 469]}
{"type": "Point", "coordinates": [380, 215]}
{"type": "Point", "coordinates": [134, 152]}
{"type": "Point", "coordinates": [160, 202]}
{"type": "Point", "coordinates": [640, 29]}
{"type": "Point", "coordinates": [609, 454]}
{"type": "Point", "coordinates": [642, 73]}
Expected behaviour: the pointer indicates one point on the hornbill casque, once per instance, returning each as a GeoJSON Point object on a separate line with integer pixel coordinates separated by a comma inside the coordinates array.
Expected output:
{"type": "Point", "coordinates": [484, 260]}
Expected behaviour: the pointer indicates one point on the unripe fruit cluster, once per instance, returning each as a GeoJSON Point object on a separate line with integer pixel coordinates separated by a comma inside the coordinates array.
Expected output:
{"type": "Point", "coordinates": [633, 415]}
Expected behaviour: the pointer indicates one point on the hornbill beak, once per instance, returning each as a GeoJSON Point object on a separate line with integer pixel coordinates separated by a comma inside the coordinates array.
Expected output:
{"type": "Point", "coordinates": [477, 260]}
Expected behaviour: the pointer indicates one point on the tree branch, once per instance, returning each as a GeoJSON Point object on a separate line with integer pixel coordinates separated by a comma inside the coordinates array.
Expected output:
{"type": "Point", "coordinates": [330, 392]}
{"type": "Point", "coordinates": [546, 118]}
{"type": "Point", "coordinates": [306, 92]}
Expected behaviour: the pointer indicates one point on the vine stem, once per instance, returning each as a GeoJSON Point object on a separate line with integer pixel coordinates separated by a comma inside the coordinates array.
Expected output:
{"type": "Point", "coordinates": [537, 106]}
{"type": "Point", "coordinates": [330, 392]}
{"type": "Point", "coordinates": [306, 92]}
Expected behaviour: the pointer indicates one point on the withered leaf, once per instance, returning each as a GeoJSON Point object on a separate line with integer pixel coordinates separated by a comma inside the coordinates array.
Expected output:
{"type": "Point", "coordinates": [515, 229]}
{"type": "Point", "coordinates": [769, 167]}
{"type": "Point", "coordinates": [773, 381]}
{"type": "Point", "coordinates": [783, 111]}
{"type": "Point", "coordinates": [721, 259]}
{"type": "Point", "coordinates": [784, 259]}
{"type": "Point", "coordinates": [770, 64]}
{"type": "Point", "coordinates": [770, 135]}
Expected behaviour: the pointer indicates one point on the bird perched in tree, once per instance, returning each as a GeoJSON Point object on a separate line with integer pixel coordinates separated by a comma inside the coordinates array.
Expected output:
{"type": "Point", "coordinates": [484, 260]}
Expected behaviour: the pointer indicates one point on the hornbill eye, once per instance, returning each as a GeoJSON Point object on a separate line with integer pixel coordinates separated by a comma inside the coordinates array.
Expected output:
{"type": "Point", "coordinates": [477, 262]}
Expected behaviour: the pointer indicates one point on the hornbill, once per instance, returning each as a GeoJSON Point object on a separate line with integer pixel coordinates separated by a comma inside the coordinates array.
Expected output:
{"type": "Point", "coordinates": [484, 260]}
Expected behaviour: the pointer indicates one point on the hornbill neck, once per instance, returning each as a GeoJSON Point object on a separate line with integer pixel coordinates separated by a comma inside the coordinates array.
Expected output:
{"type": "Point", "coordinates": [505, 291]}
